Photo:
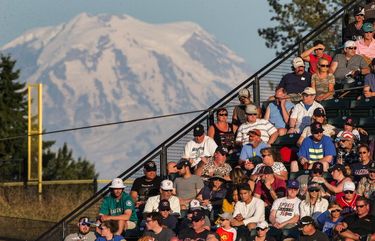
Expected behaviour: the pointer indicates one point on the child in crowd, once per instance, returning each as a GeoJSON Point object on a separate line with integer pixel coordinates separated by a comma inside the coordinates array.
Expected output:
{"type": "Point", "coordinates": [226, 231]}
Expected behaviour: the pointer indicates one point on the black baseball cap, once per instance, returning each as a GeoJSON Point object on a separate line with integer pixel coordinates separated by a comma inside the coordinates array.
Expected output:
{"type": "Point", "coordinates": [319, 112]}
{"type": "Point", "coordinates": [198, 130]}
{"type": "Point", "coordinates": [317, 167]}
{"type": "Point", "coordinates": [222, 150]}
{"type": "Point", "coordinates": [305, 221]}
{"type": "Point", "coordinates": [183, 162]}
{"type": "Point", "coordinates": [164, 205]}
{"type": "Point", "coordinates": [266, 170]}
{"type": "Point", "coordinates": [339, 167]}
{"type": "Point", "coordinates": [316, 128]}
{"type": "Point", "coordinates": [150, 166]}
{"type": "Point", "coordinates": [197, 215]}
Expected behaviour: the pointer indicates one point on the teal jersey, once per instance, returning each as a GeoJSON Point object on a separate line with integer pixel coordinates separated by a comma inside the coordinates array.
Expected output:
{"type": "Point", "coordinates": [114, 207]}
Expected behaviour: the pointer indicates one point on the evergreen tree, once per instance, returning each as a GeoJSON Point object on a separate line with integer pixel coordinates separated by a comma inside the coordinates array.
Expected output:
{"type": "Point", "coordinates": [13, 119]}
{"type": "Point", "coordinates": [298, 17]}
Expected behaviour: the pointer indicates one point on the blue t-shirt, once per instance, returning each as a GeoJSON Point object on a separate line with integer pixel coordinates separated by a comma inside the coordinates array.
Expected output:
{"type": "Point", "coordinates": [314, 151]}
{"type": "Point", "coordinates": [276, 118]}
{"type": "Point", "coordinates": [370, 80]}
{"type": "Point", "coordinates": [115, 238]}
{"type": "Point", "coordinates": [326, 224]}
{"type": "Point", "coordinates": [248, 151]}
{"type": "Point", "coordinates": [293, 83]}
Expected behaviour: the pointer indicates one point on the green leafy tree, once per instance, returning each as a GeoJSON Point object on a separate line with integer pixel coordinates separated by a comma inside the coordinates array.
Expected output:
{"type": "Point", "coordinates": [13, 123]}
{"type": "Point", "coordinates": [296, 18]}
{"type": "Point", "coordinates": [13, 119]}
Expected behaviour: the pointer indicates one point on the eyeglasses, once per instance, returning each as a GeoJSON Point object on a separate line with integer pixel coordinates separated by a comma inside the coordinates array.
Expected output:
{"type": "Point", "coordinates": [335, 210]}
{"type": "Point", "coordinates": [351, 48]}
{"type": "Point", "coordinates": [223, 114]}
{"type": "Point", "coordinates": [346, 192]}
{"type": "Point", "coordinates": [324, 65]}
{"type": "Point", "coordinates": [360, 206]}
{"type": "Point", "coordinates": [363, 152]}
{"type": "Point", "coordinates": [260, 229]}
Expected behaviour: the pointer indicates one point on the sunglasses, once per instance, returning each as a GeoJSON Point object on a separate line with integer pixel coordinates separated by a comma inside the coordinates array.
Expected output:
{"type": "Point", "coordinates": [319, 49]}
{"type": "Point", "coordinates": [314, 190]}
{"type": "Point", "coordinates": [351, 48]}
{"type": "Point", "coordinates": [363, 152]}
{"type": "Point", "coordinates": [335, 210]}
{"type": "Point", "coordinates": [324, 65]}
{"type": "Point", "coordinates": [264, 155]}
{"type": "Point", "coordinates": [251, 114]}
{"type": "Point", "coordinates": [224, 114]}
{"type": "Point", "coordinates": [346, 192]}
{"type": "Point", "coordinates": [84, 224]}
{"type": "Point", "coordinates": [361, 15]}
{"type": "Point", "coordinates": [258, 229]}
{"type": "Point", "coordinates": [360, 206]}
{"type": "Point", "coordinates": [369, 32]}
{"type": "Point", "coordinates": [167, 190]}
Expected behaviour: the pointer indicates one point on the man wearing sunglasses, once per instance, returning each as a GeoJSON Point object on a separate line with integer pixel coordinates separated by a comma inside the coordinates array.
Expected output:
{"type": "Point", "coordinates": [366, 45]}
{"type": "Point", "coordinates": [360, 225]}
{"type": "Point", "coordinates": [347, 66]}
{"type": "Point", "coordinates": [166, 190]}
{"type": "Point", "coordinates": [347, 199]}
{"type": "Point", "coordinates": [84, 233]}
{"type": "Point", "coordinates": [261, 232]}
{"type": "Point", "coordinates": [313, 54]}
{"type": "Point", "coordinates": [353, 31]}
{"type": "Point", "coordinates": [309, 231]}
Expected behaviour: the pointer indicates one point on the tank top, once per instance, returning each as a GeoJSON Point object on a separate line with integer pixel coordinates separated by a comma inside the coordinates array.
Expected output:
{"type": "Point", "coordinates": [224, 138]}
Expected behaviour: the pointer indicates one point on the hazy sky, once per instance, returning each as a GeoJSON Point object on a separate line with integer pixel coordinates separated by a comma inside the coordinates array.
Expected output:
{"type": "Point", "coordinates": [233, 23]}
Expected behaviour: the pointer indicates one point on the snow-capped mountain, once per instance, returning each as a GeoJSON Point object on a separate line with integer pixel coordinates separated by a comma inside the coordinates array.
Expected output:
{"type": "Point", "coordinates": [106, 68]}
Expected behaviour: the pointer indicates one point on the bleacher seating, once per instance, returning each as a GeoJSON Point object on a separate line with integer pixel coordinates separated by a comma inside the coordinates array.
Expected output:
{"type": "Point", "coordinates": [336, 107]}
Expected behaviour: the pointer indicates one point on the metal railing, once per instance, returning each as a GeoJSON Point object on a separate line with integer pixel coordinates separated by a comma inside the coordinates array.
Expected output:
{"type": "Point", "coordinates": [172, 148]}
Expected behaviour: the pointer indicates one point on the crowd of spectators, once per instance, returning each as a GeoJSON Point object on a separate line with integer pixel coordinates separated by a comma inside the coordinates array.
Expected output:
{"type": "Point", "coordinates": [233, 184]}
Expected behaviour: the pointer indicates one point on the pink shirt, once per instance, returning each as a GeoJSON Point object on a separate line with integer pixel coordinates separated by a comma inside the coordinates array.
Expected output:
{"type": "Point", "coordinates": [363, 49]}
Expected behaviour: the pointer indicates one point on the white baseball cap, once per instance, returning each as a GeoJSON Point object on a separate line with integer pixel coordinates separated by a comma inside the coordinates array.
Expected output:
{"type": "Point", "coordinates": [166, 185]}
{"type": "Point", "coordinates": [117, 183]}
{"type": "Point", "coordinates": [349, 186]}
{"type": "Point", "coordinates": [262, 224]}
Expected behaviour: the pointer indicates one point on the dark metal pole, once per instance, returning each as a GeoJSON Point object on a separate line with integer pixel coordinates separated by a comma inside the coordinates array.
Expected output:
{"type": "Point", "coordinates": [256, 91]}
{"type": "Point", "coordinates": [163, 162]}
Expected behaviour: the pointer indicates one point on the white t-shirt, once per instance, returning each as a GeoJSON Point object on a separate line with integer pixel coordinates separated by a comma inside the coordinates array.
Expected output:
{"type": "Point", "coordinates": [302, 115]}
{"type": "Point", "coordinates": [152, 204]}
{"type": "Point", "coordinates": [285, 208]}
{"type": "Point", "coordinates": [306, 209]}
{"type": "Point", "coordinates": [195, 151]}
{"type": "Point", "coordinates": [265, 127]}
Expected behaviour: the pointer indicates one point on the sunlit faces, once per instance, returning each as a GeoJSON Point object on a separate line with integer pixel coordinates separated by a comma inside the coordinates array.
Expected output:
{"type": "Point", "coordinates": [245, 195]}
{"type": "Point", "coordinates": [199, 139]}
{"type": "Point", "coordinates": [116, 192]}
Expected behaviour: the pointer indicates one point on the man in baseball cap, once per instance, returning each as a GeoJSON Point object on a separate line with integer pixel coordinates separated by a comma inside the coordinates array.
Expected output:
{"type": "Point", "coordinates": [119, 206]}
{"type": "Point", "coordinates": [83, 233]}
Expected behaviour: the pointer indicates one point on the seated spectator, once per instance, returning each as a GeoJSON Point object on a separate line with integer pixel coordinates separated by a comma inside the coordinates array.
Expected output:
{"type": "Point", "coordinates": [269, 188]}
{"type": "Point", "coordinates": [360, 225]}
{"type": "Point", "coordinates": [172, 170]}
{"type": "Point", "coordinates": [167, 219]}
{"type": "Point", "coordinates": [360, 169]}
{"type": "Point", "coordinates": [304, 179]}
{"type": "Point", "coordinates": [294, 83]}
{"type": "Point", "coordinates": [212, 236]}
{"type": "Point", "coordinates": [329, 219]}
{"type": "Point", "coordinates": [252, 149]}
{"type": "Point", "coordinates": [319, 115]}
{"type": "Point", "coordinates": [268, 131]}
{"type": "Point", "coordinates": [230, 200]}
{"type": "Point", "coordinates": [366, 93]}
{"type": "Point", "coordinates": [350, 126]}
{"type": "Point", "coordinates": [197, 231]}
{"type": "Point", "coordinates": [261, 232]}
{"type": "Point", "coordinates": [340, 176]}
{"type": "Point", "coordinates": [323, 82]}
{"type": "Point", "coordinates": [366, 45]}
{"type": "Point", "coordinates": [347, 199]}
{"type": "Point", "coordinates": [239, 114]}
{"type": "Point", "coordinates": [212, 195]}
{"type": "Point", "coordinates": [217, 166]}
{"type": "Point", "coordinates": [303, 111]}
{"type": "Point", "coordinates": [314, 204]}
{"type": "Point", "coordinates": [313, 54]}
{"type": "Point", "coordinates": [247, 212]}
{"type": "Point", "coordinates": [278, 111]}
{"type": "Point", "coordinates": [309, 230]}
{"type": "Point", "coordinates": [118, 206]}
{"type": "Point", "coordinates": [347, 66]}
{"type": "Point", "coordinates": [354, 30]}
{"type": "Point", "coordinates": [83, 233]}
{"type": "Point", "coordinates": [315, 148]}
{"type": "Point", "coordinates": [369, 11]}
{"type": "Point", "coordinates": [201, 148]}
{"type": "Point", "coordinates": [166, 190]}
{"type": "Point", "coordinates": [271, 159]}
{"type": "Point", "coordinates": [226, 231]}
{"type": "Point", "coordinates": [156, 229]}
{"type": "Point", "coordinates": [188, 185]}
{"type": "Point", "coordinates": [366, 186]}
{"type": "Point", "coordinates": [108, 230]}
{"type": "Point", "coordinates": [145, 186]}
{"type": "Point", "coordinates": [370, 82]}
{"type": "Point", "coordinates": [285, 213]}
{"type": "Point", "coordinates": [194, 205]}
{"type": "Point", "coordinates": [346, 150]}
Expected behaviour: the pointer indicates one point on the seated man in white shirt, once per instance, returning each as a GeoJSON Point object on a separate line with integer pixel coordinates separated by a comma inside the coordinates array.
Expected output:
{"type": "Point", "coordinates": [166, 190]}
{"type": "Point", "coordinates": [247, 212]}
{"type": "Point", "coordinates": [200, 148]}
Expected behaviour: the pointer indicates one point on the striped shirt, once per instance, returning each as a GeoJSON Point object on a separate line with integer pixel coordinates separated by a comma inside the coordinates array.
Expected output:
{"type": "Point", "coordinates": [265, 127]}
